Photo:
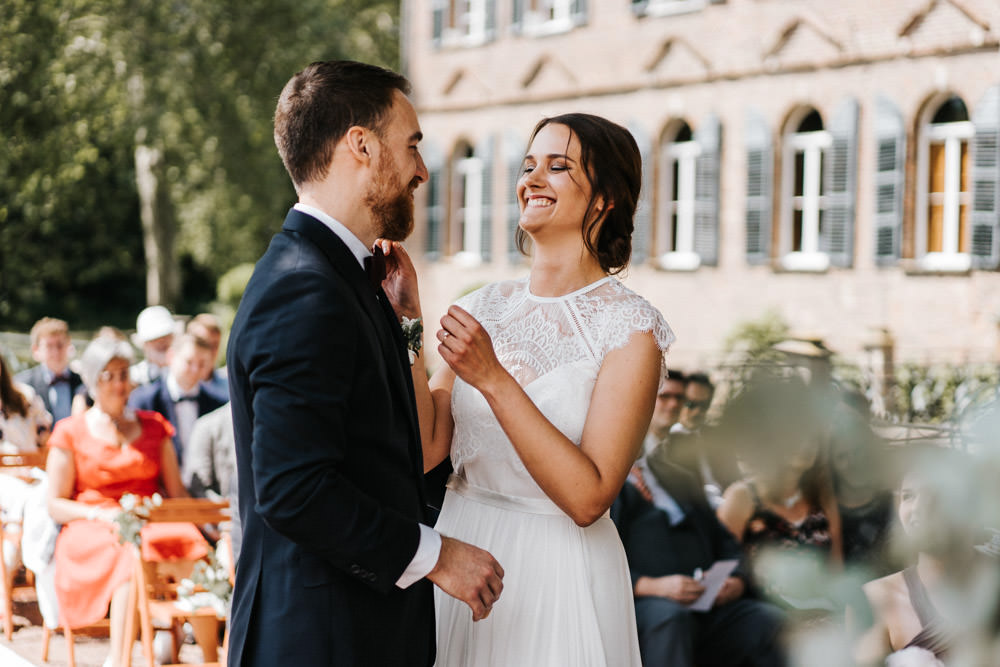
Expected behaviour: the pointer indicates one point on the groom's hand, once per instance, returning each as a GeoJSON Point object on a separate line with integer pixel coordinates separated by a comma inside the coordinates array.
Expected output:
{"type": "Point", "coordinates": [469, 574]}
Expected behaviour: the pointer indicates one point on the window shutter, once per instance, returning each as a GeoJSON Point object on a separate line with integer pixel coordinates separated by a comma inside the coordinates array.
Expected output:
{"type": "Point", "coordinates": [839, 179]}
{"type": "Point", "coordinates": [484, 151]}
{"type": "Point", "coordinates": [760, 170]}
{"type": "Point", "coordinates": [706, 191]}
{"type": "Point", "coordinates": [579, 12]}
{"type": "Point", "coordinates": [986, 181]}
{"type": "Point", "coordinates": [639, 7]}
{"type": "Point", "coordinates": [642, 233]}
{"type": "Point", "coordinates": [439, 9]}
{"type": "Point", "coordinates": [491, 20]}
{"type": "Point", "coordinates": [436, 197]}
{"type": "Point", "coordinates": [890, 136]}
{"type": "Point", "coordinates": [513, 147]}
{"type": "Point", "coordinates": [517, 15]}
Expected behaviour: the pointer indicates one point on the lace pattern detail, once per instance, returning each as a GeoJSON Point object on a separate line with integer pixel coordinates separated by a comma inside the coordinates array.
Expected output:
{"type": "Point", "coordinates": [554, 348]}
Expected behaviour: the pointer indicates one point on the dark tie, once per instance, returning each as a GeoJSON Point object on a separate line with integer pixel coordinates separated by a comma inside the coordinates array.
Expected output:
{"type": "Point", "coordinates": [188, 397]}
{"type": "Point", "coordinates": [57, 379]}
{"type": "Point", "coordinates": [375, 267]}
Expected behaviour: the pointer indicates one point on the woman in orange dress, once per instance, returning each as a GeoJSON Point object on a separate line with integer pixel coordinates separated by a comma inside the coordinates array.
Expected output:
{"type": "Point", "coordinates": [96, 457]}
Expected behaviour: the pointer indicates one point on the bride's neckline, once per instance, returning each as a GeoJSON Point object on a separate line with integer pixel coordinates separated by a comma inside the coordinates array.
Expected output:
{"type": "Point", "coordinates": [568, 295]}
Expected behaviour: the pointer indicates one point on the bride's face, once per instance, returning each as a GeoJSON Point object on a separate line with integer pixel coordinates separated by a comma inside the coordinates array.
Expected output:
{"type": "Point", "coordinates": [553, 190]}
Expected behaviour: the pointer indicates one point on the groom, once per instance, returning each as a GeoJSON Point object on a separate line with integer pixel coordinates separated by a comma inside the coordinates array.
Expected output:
{"type": "Point", "coordinates": [336, 566]}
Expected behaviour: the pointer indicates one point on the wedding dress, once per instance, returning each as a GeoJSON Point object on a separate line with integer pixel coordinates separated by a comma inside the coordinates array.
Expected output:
{"type": "Point", "coordinates": [567, 596]}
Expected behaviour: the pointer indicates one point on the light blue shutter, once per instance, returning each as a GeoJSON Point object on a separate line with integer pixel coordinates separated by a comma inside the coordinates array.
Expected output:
{"type": "Point", "coordinates": [517, 15]}
{"type": "Point", "coordinates": [706, 191]}
{"type": "Point", "coordinates": [890, 177]}
{"type": "Point", "coordinates": [579, 12]}
{"type": "Point", "coordinates": [491, 20]}
{"type": "Point", "coordinates": [839, 185]}
{"type": "Point", "coordinates": [439, 9]}
{"type": "Point", "coordinates": [986, 181]}
{"type": "Point", "coordinates": [485, 152]}
{"type": "Point", "coordinates": [436, 197]}
{"type": "Point", "coordinates": [642, 233]}
{"type": "Point", "coordinates": [760, 170]}
{"type": "Point", "coordinates": [513, 148]}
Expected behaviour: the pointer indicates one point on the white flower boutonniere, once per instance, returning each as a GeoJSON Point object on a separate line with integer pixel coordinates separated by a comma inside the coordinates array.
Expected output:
{"type": "Point", "coordinates": [413, 332]}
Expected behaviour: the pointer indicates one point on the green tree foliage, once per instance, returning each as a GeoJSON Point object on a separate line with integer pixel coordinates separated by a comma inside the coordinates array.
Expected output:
{"type": "Point", "coordinates": [85, 83]}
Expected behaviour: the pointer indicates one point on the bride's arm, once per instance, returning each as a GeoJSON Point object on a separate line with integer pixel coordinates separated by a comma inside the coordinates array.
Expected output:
{"type": "Point", "coordinates": [583, 481]}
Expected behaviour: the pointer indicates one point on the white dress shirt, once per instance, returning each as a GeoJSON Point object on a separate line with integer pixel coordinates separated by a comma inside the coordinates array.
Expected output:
{"type": "Point", "coordinates": [429, 548]}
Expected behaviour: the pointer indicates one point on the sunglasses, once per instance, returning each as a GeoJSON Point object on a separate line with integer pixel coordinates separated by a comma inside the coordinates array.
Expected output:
{"type": "Point", "coordinates": [696, 405]}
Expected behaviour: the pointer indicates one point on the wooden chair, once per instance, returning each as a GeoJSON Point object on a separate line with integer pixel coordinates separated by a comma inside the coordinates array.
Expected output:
{"type": "Point", "coordinates": [18, 465]}
{"type": "Point", "coordinates": [154, 594]}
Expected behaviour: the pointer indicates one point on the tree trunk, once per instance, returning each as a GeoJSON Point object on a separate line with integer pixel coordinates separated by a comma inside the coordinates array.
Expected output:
{"type": "Point", "coordinates": [159, 228]}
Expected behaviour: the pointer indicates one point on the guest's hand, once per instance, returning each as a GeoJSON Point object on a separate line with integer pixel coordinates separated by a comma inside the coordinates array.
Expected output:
{"type": "Point", "coordinates": [732, 589]}
{"type": "Point", "coordinates": [467, 348]}
{"type": "Point", "coordinates": [400, 282]}
{"type": "Point", "coordinates": [469, 574]}
{"type": "Point", "coordinates": [677, 587]}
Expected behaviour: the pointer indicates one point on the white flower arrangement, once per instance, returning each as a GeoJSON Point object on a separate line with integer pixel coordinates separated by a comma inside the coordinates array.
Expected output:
{"type": "Point", "coordinates": [413, 332]}
{"type": "Point", "coordinates": [208, 586]}
{"type": "Point", "coordinates": [133, 516]}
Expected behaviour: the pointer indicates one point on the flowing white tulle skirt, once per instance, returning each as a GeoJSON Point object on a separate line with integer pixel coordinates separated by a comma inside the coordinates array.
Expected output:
{"type": "Point", "coordinates": [567, 596]}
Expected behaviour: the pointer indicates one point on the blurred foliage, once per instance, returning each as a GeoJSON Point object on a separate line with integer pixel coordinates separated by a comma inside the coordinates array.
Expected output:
{"type": "Point", "coordinates": [83, 83]}
{"type": "Point", "coordinates": [752, 340]}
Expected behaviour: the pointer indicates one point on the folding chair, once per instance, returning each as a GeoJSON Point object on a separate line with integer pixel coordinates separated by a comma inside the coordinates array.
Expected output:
{"type": "Point", "coordinates": [18, 465]}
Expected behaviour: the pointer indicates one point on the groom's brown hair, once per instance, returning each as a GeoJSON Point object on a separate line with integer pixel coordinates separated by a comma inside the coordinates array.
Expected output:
{"type": "Point", "coordinates": [319, 104]}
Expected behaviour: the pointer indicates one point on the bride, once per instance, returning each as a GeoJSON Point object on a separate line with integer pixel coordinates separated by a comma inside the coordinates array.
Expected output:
{"type": "Point", "coordinates": [543, 404]}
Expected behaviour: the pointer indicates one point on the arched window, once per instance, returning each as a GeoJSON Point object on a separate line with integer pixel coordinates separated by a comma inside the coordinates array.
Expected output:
{"type": "Point", "coordinates": [687, 195]}
{"type": "Point", "coordinates": [805, 148]}
{"type": "Point", "coordinates": [471, 209]}
{"type": "Point", "coordinates": [943, 187]}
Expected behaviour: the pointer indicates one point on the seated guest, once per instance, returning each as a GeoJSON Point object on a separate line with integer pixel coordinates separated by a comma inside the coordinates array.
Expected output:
{"type": "Point", "coordinates": [666, 542]}
{"type": "Point", "coordinates": [155, 329]}
{"type": "Point", "coordinates": [693, 447]}
{"type": "Point", "coordinates": [206, 326]}
{"type": "Point", "coordinates": [24, 427]}
{"type": "Point", "coordinates": [94, 459]}
{"type": "Point", "coordinates": [179, 394]}
{"type": "Point", "coordinates": [52, 378]}
{"type": "Point", "coordinates": [864, 495]}
{"type": "Point", "coordinates": [666, 410]}
{"type": "Point", "coordinates": [920, 607]}
{"type": "Point", "coordinates": [786, 504]}
{"type": "Point", "coordinates": [210, 459]}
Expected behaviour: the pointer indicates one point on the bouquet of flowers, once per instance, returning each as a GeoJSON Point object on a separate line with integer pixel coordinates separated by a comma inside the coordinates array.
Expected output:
{"type": "Point", "coordinates": [208, 586]}
{"type": "Point", "coordinates": [133, 516]}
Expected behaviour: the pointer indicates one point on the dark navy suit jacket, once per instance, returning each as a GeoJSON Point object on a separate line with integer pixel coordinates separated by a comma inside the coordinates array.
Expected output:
{"type": "Point", "coordinates": [329, 464]}
{"type": "Point", "coordinates": [34, 377]}
{"type": "Point", "coordinates": [154, 396]}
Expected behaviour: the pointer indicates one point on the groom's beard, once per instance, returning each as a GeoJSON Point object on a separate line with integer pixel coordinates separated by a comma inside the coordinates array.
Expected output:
{"type": "Point", "coordinates": [391, 204]}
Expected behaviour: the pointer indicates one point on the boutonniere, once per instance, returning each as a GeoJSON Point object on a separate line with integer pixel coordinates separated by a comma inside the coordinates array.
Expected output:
{"type": "Point", "coordinates": [413, 332]}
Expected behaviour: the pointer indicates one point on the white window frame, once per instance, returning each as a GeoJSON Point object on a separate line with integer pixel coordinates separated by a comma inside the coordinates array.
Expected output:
{"type": "Point", "coordinates": [952, 135]}
{"type": "Point", "coordinates": [470, 24]}
{"type": "Point", "coordinates": [668, 7]}
{"type": "Point", "coordinates": [682, 155]}
{"type": "Point", "coordinates": [470, 170]}
{"type": "Point", "coordinates": [555, 16]}
{"type": "Point", "coordinates": [814, 146]}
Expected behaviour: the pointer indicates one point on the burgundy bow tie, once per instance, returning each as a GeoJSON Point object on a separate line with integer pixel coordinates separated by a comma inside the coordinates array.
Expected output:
{"type": "Point", "coordinates": [375, 267]}
{"type": "Point", "coordinates": [57, 379]}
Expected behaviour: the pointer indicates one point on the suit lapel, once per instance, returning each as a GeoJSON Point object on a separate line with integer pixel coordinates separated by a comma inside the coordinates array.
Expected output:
{"type": "Point", "coordinates": [378, 310]}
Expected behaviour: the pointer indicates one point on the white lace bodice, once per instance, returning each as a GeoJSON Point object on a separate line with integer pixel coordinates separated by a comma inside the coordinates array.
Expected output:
{"type": "Point", "coordinates": [554, 347]}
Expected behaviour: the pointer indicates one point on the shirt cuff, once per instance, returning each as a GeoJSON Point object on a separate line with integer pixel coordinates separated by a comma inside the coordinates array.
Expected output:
{"type": "Point", "coordinates": [424, 560]}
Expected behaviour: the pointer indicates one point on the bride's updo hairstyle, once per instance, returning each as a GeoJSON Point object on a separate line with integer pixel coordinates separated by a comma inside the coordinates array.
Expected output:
{"type": "Point", "coordinates": [610, 157]}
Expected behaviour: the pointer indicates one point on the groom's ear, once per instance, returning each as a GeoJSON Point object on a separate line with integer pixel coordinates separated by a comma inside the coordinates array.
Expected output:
{"type": "Point", "coordinates": [359, 142]}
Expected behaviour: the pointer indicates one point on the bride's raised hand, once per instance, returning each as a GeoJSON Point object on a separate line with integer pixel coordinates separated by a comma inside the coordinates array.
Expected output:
{"type": "Point", "coordinates": [467, 348]}
{"type": "Point", "coordinates": [400, 284]}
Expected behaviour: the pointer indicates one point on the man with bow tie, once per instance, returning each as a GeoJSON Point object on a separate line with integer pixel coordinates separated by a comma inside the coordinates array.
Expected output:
{"type": "Point", "coordinates": [337, 559]}
{"type": "Point", "coordinates": [52, 378]}
{"type": "Point", "coordinates": [179, 394]}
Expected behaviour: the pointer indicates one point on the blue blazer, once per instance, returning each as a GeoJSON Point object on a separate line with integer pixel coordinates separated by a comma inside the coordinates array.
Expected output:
{"type": "Point", "coordinates": [154, 396]}
{"type": "Point", "coordinates": [34, 377]}
{"type": "Point", "coordinates": [329, 465]}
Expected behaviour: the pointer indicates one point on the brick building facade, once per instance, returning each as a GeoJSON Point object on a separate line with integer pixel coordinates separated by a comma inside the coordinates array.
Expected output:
{"type": "Point", "coordinates": [838, 163]}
